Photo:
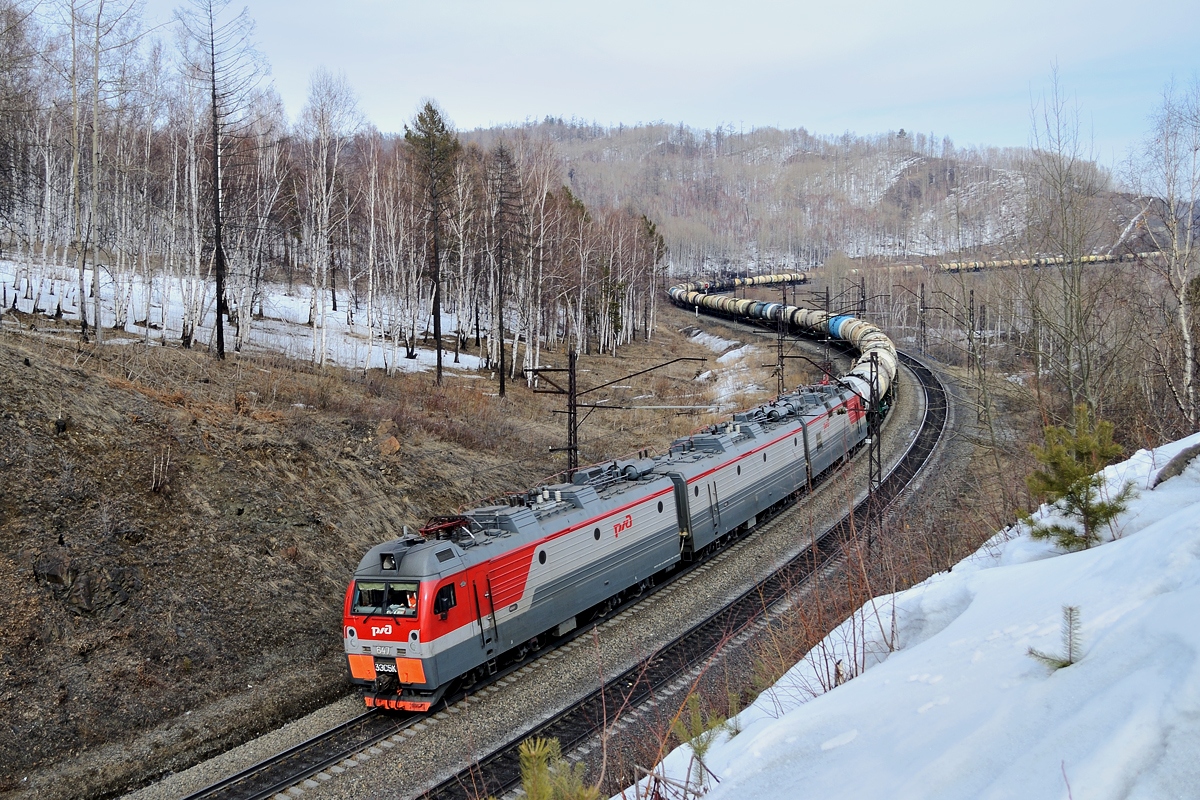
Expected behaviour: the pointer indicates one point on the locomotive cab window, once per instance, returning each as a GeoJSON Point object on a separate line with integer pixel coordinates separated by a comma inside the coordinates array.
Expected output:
{"type": "Point", "coordinates": [395, 598]}
{"type": "Point", "coordinates": [444, 601]}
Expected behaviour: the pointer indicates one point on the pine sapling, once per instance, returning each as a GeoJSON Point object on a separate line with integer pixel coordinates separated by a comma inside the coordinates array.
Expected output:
{"type": "Point", "coordinates": [1072, 479]}
{"type": "Point", "coordinates": [699, 731]}
{"type": "Point", "coordinates": [1071, 642]}
{"type": "Point", "coordinates": [546, 775]}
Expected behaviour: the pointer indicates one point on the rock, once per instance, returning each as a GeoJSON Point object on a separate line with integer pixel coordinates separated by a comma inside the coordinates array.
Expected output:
{"type": "Point", "coordinates": [389, 446]}
{"type": "Point", "coordinates": [82, 592]}
{"type": "Point", "coordinates": [1176, 465]}
{"type": "Point", "coordinates": [386, 428]}
{"type": "Point", "coordinates": [55, 568]}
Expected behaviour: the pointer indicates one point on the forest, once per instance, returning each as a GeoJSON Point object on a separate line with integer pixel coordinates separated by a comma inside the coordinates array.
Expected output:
{"type": "Point", "coordinates": [142, 168]}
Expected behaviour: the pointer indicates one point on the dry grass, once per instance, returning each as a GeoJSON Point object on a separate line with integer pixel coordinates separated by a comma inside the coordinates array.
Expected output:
{"type": "Point", "coordinates": [174, 529]}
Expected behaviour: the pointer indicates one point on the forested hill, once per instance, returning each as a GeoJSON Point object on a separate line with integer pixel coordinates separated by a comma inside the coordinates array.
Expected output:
{"type": "Point", "coordinates": [788, 196]}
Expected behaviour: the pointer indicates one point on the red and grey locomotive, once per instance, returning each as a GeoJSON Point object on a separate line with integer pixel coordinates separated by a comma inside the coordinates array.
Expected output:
{"type": "Point", "coordinates": [424, 611]}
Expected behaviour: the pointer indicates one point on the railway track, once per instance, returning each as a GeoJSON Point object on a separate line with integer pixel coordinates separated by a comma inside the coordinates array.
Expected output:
{"type": "Point", "coordinates": [499, 771]}
{"type": "Point", "coordinates": [322, 752]}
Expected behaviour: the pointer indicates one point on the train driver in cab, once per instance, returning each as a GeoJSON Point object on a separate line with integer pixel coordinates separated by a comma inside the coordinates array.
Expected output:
{"type": "Point", "coordinates": [402, 602]}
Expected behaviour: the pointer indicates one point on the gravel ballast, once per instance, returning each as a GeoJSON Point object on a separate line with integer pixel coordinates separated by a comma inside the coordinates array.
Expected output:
{"type": "Point", "coordinates": [448, 741]}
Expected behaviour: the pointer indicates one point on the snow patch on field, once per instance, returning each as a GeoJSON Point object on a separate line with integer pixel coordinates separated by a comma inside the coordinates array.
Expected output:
{"type": "Point", "coordinates": [712, 342]}
{"type": "Point", "coordinates": [733, 379]}
{"type": "Point", "coordinates": [283, 327]}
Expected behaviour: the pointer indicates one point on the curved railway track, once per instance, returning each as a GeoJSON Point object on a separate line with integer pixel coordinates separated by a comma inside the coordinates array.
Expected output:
{"type": "Point", "coordinates": [499, 771]}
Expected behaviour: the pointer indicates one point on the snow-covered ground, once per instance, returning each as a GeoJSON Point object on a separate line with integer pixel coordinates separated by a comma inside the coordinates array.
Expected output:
{"type": "Point", "coordinates": [949, 703]}
{"type": "Point", "coordinates": [733, 378]}
{"type": "Point", "coordinates": [713, 342]}
{"type": "Point", "coordinates": [282, 329]}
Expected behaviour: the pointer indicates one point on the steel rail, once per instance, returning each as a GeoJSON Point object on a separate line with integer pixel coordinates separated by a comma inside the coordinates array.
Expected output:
{"type": "Point", "coordinates": [499, 771]}
{"type": "Point", "coordinates": [278, 772]}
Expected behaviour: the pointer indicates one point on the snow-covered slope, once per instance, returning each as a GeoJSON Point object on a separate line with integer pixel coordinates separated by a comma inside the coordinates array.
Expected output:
{"type": "Point", "coordinates": [950, 704]}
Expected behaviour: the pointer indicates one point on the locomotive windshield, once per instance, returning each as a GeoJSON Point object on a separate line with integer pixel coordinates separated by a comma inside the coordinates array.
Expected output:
{"type": "Point", "coordinates": [391, 598]}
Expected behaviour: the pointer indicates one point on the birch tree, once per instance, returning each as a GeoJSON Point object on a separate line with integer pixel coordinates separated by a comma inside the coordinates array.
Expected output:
{"type": "Point", "coordinates": [1167, 176]}
{"type": "Point", "coordinates": [329, 120]}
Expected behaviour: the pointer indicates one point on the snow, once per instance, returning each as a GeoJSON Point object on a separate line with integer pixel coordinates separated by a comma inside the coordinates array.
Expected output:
{"type": "Point", "coordinates": [283, 328]}
{"type": "Point", "coordinates": [713, 342]}
{"type": "Point", "coordinates": [945, 702]}
{"type": "Point", "coordinates": [733, 383]}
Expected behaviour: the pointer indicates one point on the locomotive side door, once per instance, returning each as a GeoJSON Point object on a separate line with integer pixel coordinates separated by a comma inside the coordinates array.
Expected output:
{"type": "Point", "coordinates": [683, 516]}
{"type": "Point", "coordinates": [485, 617]}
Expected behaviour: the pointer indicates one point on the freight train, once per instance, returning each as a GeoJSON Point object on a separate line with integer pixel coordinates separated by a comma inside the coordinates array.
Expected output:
{"type": "Point", "coordinates": [447, 606]}
{"type": "Point", "coordinates": [1038, 262]}
{"type": "Point", "coordinates": [876, 364]}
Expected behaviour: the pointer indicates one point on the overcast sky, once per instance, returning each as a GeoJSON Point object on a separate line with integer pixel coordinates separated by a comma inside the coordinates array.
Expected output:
{"type": "Point", "coordinates": [950, 67]}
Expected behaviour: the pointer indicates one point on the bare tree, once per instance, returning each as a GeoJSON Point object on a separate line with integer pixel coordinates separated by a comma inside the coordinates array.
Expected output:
{"type": "Point", "coordinates": [329, 120]}
{"type": "Point", "coordinates": [1167, 174]}
{"type": "Point", "coordinates": [1075, 338]}
{"type": "Point", "coordinates": [18, 51]}
{"type": "Point", "coordinates": [253, 194]}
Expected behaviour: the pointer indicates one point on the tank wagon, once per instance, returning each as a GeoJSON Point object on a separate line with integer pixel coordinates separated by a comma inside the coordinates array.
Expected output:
{"type": "Point", "coordinates": [1038, 262]}
{"type": "Point", "coordinates": [426, 611]}
{"type": "Point", "coordinates": [876, 364]}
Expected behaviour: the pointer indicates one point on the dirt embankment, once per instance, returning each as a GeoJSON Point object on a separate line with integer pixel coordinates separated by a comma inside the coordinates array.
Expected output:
{"type": "Point", "coordinates": [176, 533]}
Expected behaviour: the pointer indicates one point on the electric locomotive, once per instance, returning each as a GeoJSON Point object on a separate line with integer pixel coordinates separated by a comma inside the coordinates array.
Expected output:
{"type": "Point", "coordinates": [490, 583]}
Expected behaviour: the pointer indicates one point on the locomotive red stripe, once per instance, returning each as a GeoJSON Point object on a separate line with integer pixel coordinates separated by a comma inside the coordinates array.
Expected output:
{"type": "Point", "coordinates": [760, 448]}
{"type": "Point", "coordinates": [509, 573]}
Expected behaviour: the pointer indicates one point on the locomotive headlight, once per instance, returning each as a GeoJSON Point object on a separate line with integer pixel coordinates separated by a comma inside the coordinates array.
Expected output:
{"type": "Point", "coordinates": [388, 561]}
{"type": "Point", "coordinates": [351, 633]}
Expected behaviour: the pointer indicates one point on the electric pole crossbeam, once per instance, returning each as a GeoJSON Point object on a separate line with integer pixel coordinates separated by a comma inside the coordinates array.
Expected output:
{"type": "Point", "coordinates": [571, 390]}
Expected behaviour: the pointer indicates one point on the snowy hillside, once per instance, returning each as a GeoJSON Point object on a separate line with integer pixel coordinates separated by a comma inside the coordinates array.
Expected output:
{"type": "Point", "coordinates": [722, 197]}
{"type": "Point", "coordinates": [951, 704]}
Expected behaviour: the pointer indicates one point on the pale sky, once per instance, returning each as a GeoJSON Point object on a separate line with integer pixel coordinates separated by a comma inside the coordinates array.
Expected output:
{"type": "Point", "coordinates": [950, 67]}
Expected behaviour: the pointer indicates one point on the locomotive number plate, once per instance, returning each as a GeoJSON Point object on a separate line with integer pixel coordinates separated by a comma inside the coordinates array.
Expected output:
{"type": "Point", "coordinates": [384, 666]}
{"type": "Point", "coordinates": [383, 650]}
